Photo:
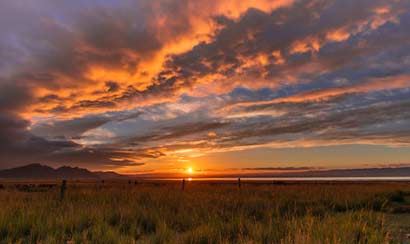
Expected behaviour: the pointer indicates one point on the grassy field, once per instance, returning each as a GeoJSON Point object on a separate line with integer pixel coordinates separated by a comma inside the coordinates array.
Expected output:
{"type": "Point", "coordinates": [205, 213]}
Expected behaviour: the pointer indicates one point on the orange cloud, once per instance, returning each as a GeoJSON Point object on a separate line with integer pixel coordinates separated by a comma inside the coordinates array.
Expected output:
{"type": "Point", "coordinates": [338, 35]}
{"type": "Point", "coordinates": [308, 44]}
{"type": "Point", "coordinates": [103, 45]}
{"type": "Point", "coordinates": [135, 69]}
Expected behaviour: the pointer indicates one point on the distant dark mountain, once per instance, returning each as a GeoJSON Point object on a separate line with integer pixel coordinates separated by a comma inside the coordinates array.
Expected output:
{"type": "Point", "coordinates": [364, 172]}
{"type": "Point", "coordinates": [38, 171]}
{"type": "Point", "coordinates": [359, 172]}
{"type": "Point", "coordinates": [28, 171]}
{"type": "Point", "coordinates": [74, 173]}
{"type": "Point", "coordinates": [108, 175]}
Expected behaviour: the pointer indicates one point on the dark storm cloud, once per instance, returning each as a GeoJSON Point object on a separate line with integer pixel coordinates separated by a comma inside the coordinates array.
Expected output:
{"type": "Point", "coordinates": [18, 146]}
{"type": "Point", "coordinates": [13, 96]}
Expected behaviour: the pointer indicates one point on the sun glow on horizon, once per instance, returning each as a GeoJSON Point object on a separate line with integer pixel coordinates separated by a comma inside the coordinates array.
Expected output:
{"type": "Point", "coordinates": [190, 170]}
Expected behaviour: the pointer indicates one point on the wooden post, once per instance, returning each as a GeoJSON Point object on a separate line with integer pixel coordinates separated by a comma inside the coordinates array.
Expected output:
{"type": "Point", "coordinates": [63, 189]}
{"type": "Point", "coordinates": [183, 184]}
{"type": "Point", "coordinates": [239, 183]}
{"type": "Point", "coordinates": [100, 186]}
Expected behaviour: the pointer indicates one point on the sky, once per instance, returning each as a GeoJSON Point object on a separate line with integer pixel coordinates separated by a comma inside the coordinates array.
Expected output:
{"type": "Point", "coordinates": [151, 86]}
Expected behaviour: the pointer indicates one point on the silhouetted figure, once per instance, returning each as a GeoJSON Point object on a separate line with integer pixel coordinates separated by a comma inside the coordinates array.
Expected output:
{"type": "Point", "coordinates": [183, 184]}
{"type": "Point", "coordinates": [136, 182]}
{"type": "Point", "coordinates": [63, 189]}
{"type": "Point", "coordinates": [129, 182]}
{"type": "Point", "coordinates": [239, 183]}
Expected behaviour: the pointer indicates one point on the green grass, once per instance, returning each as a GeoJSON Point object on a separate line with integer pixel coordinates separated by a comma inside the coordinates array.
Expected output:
{"type": "Point", "coordinates": [203, 213]}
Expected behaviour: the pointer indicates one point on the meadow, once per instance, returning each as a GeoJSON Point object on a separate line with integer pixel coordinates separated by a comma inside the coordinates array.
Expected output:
{"type": "Point", "coordinates": [205, 212]}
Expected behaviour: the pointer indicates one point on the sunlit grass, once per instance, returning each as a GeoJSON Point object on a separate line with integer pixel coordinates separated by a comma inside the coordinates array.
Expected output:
{"type": "Point", "coordinates": [203, 213]}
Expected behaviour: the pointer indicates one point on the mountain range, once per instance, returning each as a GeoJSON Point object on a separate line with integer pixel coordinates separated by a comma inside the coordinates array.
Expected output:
{"type": "Point", "coordinates": [38, 171]}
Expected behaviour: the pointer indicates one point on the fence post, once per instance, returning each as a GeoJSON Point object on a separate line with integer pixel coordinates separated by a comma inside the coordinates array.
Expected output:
{"type": "Point", "coordinates": [63, 189]}
{"type": "Point", "coordinates": [183, 184]}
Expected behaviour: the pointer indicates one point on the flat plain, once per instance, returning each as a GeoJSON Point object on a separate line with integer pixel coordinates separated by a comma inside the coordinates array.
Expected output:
{"type": "Point", "coordinates": [205, 212]}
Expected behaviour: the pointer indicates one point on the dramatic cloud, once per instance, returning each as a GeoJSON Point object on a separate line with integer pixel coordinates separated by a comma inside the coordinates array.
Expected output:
{"type": "Point", "coordinates": [19, 146]}
{"type": "Point", "coordinates": [157, 83]}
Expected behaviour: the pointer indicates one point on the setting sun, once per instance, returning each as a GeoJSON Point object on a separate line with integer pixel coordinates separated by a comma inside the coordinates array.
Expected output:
{"type": "Point", "coordinates": [190, 170]}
